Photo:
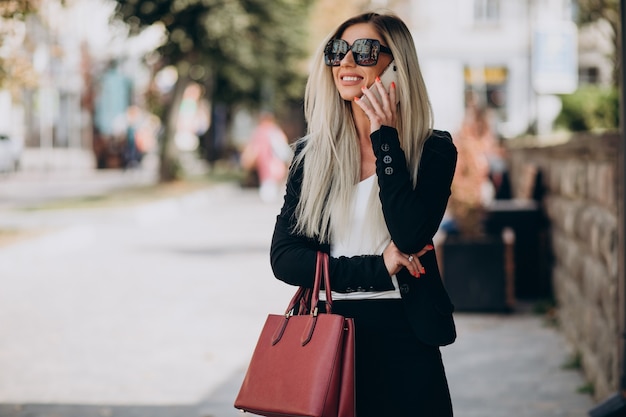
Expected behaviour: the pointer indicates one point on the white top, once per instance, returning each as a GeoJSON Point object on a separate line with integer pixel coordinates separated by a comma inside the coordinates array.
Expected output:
{"type": "Point", "coordinates": [357, 242]}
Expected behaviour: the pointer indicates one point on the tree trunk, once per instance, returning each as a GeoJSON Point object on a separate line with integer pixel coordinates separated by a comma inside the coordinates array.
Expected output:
{"type": "Point", "coordinates": [170, 169]}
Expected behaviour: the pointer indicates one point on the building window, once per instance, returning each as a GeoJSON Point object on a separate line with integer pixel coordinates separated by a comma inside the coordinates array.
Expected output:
{"type": "Point", "coordinates": [486, 11]}
{"type": "Point", "coordinates": [488, 85]}
{"type": "Point", "coordinates": [588, 75]}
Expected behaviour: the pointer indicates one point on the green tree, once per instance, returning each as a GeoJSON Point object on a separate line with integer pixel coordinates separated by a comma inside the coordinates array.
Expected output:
{"type": "Point", "coordinates": [243, 51]}
{"type": "Point", "coordinates": [15, 69]}
{"type": "Point", "coordinates": [590, 11]}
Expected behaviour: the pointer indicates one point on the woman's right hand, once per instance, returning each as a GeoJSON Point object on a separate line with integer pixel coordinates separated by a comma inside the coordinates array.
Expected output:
{"type": "Point", "coordinates": [379, 111]}
{"type": "Point", "coordinates": [396, 260]}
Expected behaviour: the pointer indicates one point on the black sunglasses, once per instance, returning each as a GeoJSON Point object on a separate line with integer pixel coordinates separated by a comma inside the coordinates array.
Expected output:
{"type": "Point", "coordinates": [364, 51]}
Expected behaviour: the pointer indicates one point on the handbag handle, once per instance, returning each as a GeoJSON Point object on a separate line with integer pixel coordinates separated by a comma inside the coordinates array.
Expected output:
{"type": "Point", "coordinates": [306, 298]}
{"type": "Point", "coordinates": [321, 268]}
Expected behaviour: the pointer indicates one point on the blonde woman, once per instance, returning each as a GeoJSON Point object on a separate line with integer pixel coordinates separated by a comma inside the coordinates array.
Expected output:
{"type": "Point", "coordinates": [369, 185]}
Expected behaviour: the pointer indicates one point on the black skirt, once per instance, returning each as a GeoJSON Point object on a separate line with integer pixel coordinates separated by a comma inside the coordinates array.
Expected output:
{"type": "Point", "coordinates": [396, 374]}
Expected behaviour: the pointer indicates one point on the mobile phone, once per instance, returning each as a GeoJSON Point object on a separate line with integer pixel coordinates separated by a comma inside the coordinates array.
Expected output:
{"type": "Point", "coordinates": [389, 75]}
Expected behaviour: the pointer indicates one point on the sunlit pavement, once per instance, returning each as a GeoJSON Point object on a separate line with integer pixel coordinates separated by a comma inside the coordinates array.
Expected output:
{"type": "Point", "coordinates": [153, 310]}
{"type": "Point", "coordinates": [67, 174]}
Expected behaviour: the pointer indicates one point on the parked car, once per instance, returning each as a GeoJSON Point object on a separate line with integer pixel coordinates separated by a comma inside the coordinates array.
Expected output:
{"type": "Point", "coordinates": [10, 154]}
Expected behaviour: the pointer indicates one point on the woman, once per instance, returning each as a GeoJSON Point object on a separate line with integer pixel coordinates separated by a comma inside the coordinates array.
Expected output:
{"type": "Point", "coordinates": [369, 184]}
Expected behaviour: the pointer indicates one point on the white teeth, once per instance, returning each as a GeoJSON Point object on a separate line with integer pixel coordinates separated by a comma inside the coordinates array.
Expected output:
{"type": "Point", "coordinates": [351, 78]}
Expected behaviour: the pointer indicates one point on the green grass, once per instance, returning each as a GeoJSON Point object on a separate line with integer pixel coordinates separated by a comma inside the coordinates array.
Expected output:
{"type": "Point", "coordinates": [548, 309]}
{"type": "Point", "coordinates": [587, 388]}
{"type": "Point", "coordinates": [574, 362]}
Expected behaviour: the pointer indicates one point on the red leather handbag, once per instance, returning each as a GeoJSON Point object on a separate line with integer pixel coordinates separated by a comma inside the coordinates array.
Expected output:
{"type": "Point", "coordinates": [303, 363]}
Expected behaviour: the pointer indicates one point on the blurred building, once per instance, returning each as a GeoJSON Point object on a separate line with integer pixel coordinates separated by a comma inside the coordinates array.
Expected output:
{"type": "Point", "coordinates": [595, 49]}
{"type": "Point", "coordinates": [514, 55]}
{"type": "Point", "coordinates": [70, 46]}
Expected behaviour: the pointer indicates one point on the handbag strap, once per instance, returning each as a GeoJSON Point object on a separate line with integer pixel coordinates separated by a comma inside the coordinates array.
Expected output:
{"type": "Point", "coordinates": [308, 299]}
{"type": "Point", "coordinates": [305, 298]}
{"type": "Point", "coordinates": [326, 270]}
{"type": "Point", "coordinates": [321, 268]}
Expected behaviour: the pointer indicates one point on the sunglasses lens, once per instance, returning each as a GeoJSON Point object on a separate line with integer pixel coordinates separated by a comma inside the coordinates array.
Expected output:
{"type": "Point", "coordinates": [335, 51]}
{"type": "Point", "coordinates": [366, 52]}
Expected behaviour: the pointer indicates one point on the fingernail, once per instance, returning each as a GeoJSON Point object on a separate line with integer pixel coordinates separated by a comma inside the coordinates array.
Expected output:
{"type": "Point", "coordinates": [393, 84]}
{"type": "Point", "coordinates": [430, 247]}
{"type": "Point", "coordinates": [378, 79]}
{"type": "Point", "coordinates": [356, 99]}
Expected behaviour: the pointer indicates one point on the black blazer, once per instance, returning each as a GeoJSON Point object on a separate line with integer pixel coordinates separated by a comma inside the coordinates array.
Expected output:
{"type": "Point", "coordinates": [412, 217]}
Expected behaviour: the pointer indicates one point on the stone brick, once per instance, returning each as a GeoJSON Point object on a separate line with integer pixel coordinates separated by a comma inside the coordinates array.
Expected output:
{"type": "Point", "coordinates": [602, 184]}
{"type": "Point", "coordinates": [608, 242]}
{"type": "Point", "coordinates": [564, 213]}
{"type": "Point", "coordinates": [593, 281]}
{"type": "Point", "coordinates": [601, 226]}
{"type": "Point", "coordinates": [573, 179]}
{"type": "Point", "coordinates": [585, 218]}
{"type": "Point", "coordinates": [569, 256]}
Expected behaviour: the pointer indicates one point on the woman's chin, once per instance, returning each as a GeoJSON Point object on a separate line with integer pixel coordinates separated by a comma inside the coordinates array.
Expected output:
{"type": "Point", "coordinates": [350, 97]}
{"type": "Point", "coordinates": [348, 94]}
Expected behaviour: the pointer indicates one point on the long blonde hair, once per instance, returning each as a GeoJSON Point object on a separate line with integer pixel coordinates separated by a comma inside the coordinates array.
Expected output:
{"type": "Point", "coordinates": [331, 155]}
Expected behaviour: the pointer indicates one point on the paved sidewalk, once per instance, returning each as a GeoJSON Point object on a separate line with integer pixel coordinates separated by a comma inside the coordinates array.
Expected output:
{"type": "Point", "coordinates": [67, 174]}
{"type": "Point", "coordinates": [512, 366]}
{"type": "Point", "coordinates": [501, 365]}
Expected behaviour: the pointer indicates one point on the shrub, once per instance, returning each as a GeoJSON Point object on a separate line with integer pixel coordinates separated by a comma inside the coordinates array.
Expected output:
{"type": "Point", "coordinates": [590, 108]}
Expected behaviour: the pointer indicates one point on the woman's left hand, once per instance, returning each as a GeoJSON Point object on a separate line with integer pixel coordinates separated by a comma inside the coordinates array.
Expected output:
{"type": "Point", "coordinates": [396, 260]}
{"type": "Point", "coordinates": [380, 112]}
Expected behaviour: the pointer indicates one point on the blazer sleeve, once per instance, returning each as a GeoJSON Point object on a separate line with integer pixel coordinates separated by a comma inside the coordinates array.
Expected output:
{"type": "Point", "coordinates": [293, 256]}
{"type": "Point", "coordinates": [413, 215]}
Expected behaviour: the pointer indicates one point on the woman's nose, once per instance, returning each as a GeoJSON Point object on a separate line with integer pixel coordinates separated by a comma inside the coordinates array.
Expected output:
{"type": "Point", "coordinates": [348, 59]}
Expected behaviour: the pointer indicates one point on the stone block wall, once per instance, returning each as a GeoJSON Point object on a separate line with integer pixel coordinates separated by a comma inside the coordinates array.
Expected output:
{"type": "Point", "coordinates": [580, 199]}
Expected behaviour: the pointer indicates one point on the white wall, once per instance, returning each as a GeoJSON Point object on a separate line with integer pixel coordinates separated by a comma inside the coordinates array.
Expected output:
{"type": "Point", "coordinates": [448, 39]}
{"type": "Point", "coordinates": [13, 124]}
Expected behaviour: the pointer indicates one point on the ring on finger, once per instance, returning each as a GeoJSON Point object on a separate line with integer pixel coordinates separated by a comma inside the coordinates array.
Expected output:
{"type": "Point", "coordinates": [410, 258]}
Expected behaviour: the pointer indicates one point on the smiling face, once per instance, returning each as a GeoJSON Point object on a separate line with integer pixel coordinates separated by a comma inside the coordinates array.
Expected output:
{"type": "Point", "coordinates": [350, 77]}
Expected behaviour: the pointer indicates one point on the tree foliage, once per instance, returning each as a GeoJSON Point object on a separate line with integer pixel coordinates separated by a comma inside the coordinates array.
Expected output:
{"type": "Point", "coordinates": [17, 9]}
{"type": "Point", "coordinates": [15, 69]}
{"type": "Point", "coordinates": [590, 11]}
{"type": "Point", "coordinates": [243, 50]}
{"type": "Point", "coordinates": [590, 108]}
{"type": "Point", "coordinates": [593, 10]}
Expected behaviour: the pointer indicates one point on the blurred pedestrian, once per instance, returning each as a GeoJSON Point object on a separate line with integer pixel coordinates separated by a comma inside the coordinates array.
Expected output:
{"type": "Point", "coordinates": [499, 171]}
{"type": "Point", "coordinates": [369, 185]}
{"type": "Point", "coordinates": [132, 153]}
{"type": "Point", "coordinates": [193, 118]}
{"type": "Point", "coordinates": [268, 154]}
{"type": "Point", "coordinates": [480, 171]}
{"type": "Point", "coordinates": [475, 140]}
